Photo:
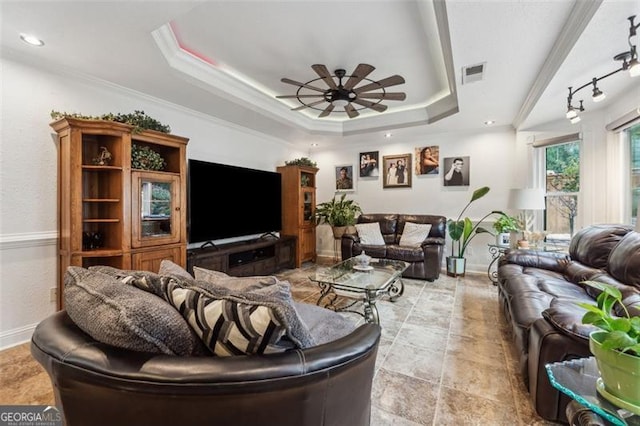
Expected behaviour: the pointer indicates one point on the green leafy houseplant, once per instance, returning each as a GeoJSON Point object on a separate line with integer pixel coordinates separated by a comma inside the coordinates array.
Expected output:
{"type": "Point", "coordinates": [144, 158]}
{"type": "Point", "coordinates": [462, 230]}
{"type": "Point", "coordinates": [620, 333]}
{"type": "Point", "coordinates": [337, 212]}
{"type": "Point", "coordinates": [506, 223]}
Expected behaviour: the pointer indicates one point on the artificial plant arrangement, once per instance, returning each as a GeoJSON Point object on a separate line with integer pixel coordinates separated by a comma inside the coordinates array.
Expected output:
{"type": "Point", "coordinates": [139, 120]}
{"type": "Point", "coordinates": [145, 158]}
{"type": "Point", "coordinates": [462, 230]}
{"type": "Point", "coordinates": [302, 161]}
{"type": "Point", "coordinates": [337, 212]}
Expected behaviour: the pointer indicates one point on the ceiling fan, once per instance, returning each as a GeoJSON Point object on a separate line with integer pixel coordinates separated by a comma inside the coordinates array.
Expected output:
{"type": "Point", "coordinates": [339, 94]}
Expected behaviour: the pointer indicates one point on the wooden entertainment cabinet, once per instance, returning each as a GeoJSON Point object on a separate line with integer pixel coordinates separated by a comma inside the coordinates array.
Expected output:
{"type": "Point", "coordinates": [246, 258]}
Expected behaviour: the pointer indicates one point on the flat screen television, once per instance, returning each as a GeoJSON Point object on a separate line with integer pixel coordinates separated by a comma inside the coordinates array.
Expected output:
{"type": "Point", "coordinates": [228, 201]}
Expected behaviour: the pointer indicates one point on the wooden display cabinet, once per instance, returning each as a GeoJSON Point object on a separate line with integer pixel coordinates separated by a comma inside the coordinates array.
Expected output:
{"type": "Point", "coordinates": [99, 197]}
{"type": "Point", "coordinates": [298, 209]}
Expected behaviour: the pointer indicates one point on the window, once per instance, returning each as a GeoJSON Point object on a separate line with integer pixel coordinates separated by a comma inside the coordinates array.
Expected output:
{"type": "Point", "coordinates": [633, 134]}
{"type": "Point", "coordinates": [562, 184]}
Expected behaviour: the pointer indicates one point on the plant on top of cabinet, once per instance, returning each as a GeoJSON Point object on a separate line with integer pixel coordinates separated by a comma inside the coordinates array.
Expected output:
{"type": "Point", "coordinates": [145, 158]}
{"type": "Point", "coordinates": [138, 119]}
{"type": "Point", "coordinates": [302, 161]}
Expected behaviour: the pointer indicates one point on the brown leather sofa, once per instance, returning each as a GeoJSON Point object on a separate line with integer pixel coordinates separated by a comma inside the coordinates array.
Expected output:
{"type": "Point", "coordinates": [98, 384]}
{"type": "Point", "coordinates": [539, 291]}
{"type": "Point", "coordinates": [424, 261]}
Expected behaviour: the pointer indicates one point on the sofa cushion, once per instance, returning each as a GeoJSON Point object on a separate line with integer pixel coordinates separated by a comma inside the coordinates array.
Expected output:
{"type": "Point", "coordinates": [167, 267]}
{"type": "Point", "coordinates": [370, 234]}
{"type": "Point", "coordinates": [592, 245]}
{"type": "Point", "coordinates": [124, 316]}
{"type": "Point", "coordinates": [379, 252]}
{"type": "Point", "coordinates": [624, 261]}
{"type": "Point", "coordinates": [414, 234]}
{"type": "Point", "coordinates": [239, 284]}
{"type": "Point", "coordinates": [408, 254]}
{"type": "Point", "coordinates": [324, 325]}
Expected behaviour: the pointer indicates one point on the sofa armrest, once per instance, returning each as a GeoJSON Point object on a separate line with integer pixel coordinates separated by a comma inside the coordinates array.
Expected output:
{"type": "Point", "coordinates": [551, 261]}
{"type": "Point", "coordinates": [346, 245]}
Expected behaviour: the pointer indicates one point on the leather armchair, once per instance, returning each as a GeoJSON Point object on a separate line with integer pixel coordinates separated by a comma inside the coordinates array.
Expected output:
{"type": "Point", "coordinates": [424, 261]}
{"type": "Point", "coordinates": [98, 384]}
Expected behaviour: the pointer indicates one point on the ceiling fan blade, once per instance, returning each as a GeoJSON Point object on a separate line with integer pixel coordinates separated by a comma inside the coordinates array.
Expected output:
{"type": "Point", "coordinates": [326, 111]}
{"type": "Point", "coordinates": [374, 106]}
{"type": "Point", "coordinates": [307, 105]}
{"type": "Point", "coordinates": [299, 96]}
{"type": "Point", "coordinates": [358, 74]}
{"type": "Point", "coordinates": [389, 96]}
{"type": "Point", "coordinates": [297, 83]}
{"type": "Point", "coordinates": [324, 73]}
{"type": "Point", "coordinates": [385, 82]}
{"type": "Point", "coordinates": [351, 111]}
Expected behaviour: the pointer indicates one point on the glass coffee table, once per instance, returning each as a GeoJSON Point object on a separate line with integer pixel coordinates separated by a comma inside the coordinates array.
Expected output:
{"type": "Point", "coordinates": [365, 284]}
{"type": "Point", "coordinates": [577, 379]}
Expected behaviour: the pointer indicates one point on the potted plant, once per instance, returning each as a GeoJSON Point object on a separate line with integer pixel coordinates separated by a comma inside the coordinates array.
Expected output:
{"type": "Point", "coordinates": [462, 231]}
{"type": "Point", "coordinates": [340, 214]}
{"type": "Point", "coordinates": [616, 347]}
{"type": "Point", "coordinates": [302, 161]}
{"type": "Point", "coordinates": [505, 225]}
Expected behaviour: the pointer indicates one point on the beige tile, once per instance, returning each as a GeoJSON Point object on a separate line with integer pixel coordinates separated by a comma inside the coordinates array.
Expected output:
{"type": "Point", "coordinates": [415, 362]}
{"type": "Point", "coordinates": [460, 408]}
{"type": "Point", "coordinates": [478, 349]}
{"type": "Point", "coordinates": [404, 396]}
{"type": "Point", "coordinates": [478, 379]}
{"type": "Point", "coordinates": [431, 338]}
{"type": "Point", "coordinates": [379, 417]}
{"type": "Point", "coordinates": [438, 318]}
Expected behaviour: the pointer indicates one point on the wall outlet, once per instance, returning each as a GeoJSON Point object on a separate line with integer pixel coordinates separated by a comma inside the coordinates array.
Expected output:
{"type": "Point", "coordinates": [53, 294]}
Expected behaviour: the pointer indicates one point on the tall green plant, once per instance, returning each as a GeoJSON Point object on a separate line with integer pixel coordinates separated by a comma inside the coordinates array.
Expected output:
{"type": "Point", "coordinates": [462, 230]}
{"type": "Point", "coordinates": [337, 212]}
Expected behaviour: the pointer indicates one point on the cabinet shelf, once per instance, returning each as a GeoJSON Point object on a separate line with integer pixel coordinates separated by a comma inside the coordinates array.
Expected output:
{"type": "Point", "coordinates": [114, 220]}
{"type": "Point", "coordinates": [100, 200]}
{"type": "Point", "coordinates": [102, 252]}
{"type": "Point", "coordinates": [94, 168]}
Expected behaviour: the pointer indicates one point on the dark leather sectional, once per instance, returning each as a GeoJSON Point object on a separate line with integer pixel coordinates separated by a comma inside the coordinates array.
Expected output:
{"type": "Point", "coordinates": [538, 292]}
{"type": "Point", "coordinates": [424, 261]}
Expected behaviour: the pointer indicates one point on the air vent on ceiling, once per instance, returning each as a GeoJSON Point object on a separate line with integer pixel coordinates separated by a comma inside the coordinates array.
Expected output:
{"type": "Point", "coordinates": [472, 73]}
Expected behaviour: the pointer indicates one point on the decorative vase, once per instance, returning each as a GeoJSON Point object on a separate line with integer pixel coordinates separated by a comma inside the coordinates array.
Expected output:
{"type": "Point", "coordinates": [502, 239]}
{"type": "Point", "coordinates": [456, 266]}
{"type": "Point", "coordinates": [619, 381]}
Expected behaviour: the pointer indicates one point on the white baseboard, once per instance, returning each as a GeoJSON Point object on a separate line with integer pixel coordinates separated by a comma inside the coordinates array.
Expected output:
{"type": "Point", "coordinates": [17, 336]}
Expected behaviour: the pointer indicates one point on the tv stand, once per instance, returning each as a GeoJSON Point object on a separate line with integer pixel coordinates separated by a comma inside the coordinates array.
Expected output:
{"type": "Point", "coordinates": [258, 257]}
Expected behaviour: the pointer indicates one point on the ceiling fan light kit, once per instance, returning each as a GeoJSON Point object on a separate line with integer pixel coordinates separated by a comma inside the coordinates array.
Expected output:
{"type": "Point", "coordinates": [629, 63]}
{"type": "Point", "coordinates": [339, 96]}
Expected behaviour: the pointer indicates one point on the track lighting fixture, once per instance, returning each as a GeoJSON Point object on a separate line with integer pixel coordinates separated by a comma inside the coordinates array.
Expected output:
{"type": "Point", "coordinates": [629, 63]}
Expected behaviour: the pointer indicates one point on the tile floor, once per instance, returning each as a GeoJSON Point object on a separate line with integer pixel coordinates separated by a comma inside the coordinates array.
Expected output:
{"type": "Point", "coordinates": [444, 358]}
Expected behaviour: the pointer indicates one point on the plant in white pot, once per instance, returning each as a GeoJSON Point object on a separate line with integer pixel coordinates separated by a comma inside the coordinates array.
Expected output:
{"type": "Point", "coordinates": [462, 231]}
{"type": "Point", "coordinates": [340, 214]}
{"type": "Point", "coordinates": [616, 347]}
{"type": "Point", "coordinates": [505, 226]}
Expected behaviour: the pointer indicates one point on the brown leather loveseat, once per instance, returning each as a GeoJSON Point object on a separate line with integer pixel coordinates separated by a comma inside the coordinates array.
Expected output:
{"type": "Point", "coordinates": [424, 261]}
{"type": "Point", "coordinates": [539, 291]}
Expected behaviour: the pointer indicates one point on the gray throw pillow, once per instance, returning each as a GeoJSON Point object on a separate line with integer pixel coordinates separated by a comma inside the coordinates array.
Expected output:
{"type": "Point", "coordinates": [124, 316]}
{"type": "Point", "coordinates": [167, 267]}
{"type": "Point", "coordinates": [238, 284]}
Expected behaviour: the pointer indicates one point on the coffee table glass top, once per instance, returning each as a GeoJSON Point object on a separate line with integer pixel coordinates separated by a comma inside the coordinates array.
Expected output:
{"type": "Point", "coordinates": [350, 276]}
{"type": "Point", "coordinates": [577, 379]}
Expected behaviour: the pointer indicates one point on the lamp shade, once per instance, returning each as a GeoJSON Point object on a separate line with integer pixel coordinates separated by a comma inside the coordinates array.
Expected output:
{"type": "Point", "coordinates": [527, 199]}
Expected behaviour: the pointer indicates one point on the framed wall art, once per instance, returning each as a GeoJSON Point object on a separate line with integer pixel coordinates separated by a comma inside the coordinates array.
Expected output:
{"type": "Point", "coordinates": [396, 171]}
{"type": "Point", "coordinates": [428, 160]}
{"type": "Point", "coordinates": [456, 171]}
{"type": "Point", "coordinates": [369, 164]}
{"type": "Point", "coordinates": [344, 178]}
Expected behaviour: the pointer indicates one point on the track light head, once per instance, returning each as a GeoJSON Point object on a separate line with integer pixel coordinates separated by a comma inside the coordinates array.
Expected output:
{"type": "Point", "coordinates": [598, 95]}
{"type": "Point", "coordinates": [571, 113]}
{"type": "Point", "coordinates": [575, 119]}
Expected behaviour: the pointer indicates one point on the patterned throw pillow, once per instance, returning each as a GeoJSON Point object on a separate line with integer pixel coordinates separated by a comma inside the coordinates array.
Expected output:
{"type": "Point", "coordinates": [228, 327]}
{"type": "Point", "coordinates": [124, 316]}
{"type": "Point", "coordinates": [370, 234]}
{"type": "Point", "coordinates": [414, 234]}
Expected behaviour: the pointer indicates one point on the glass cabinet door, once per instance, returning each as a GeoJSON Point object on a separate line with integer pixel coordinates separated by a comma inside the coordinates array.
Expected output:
{"type": "Point", "coordinates": [154, 209]}
{"type": "Point", "coordinates": [308, 205]}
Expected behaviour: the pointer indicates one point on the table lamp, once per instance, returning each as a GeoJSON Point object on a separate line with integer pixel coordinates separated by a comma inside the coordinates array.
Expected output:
{"type": "Point", "coordinates": [527, 200]}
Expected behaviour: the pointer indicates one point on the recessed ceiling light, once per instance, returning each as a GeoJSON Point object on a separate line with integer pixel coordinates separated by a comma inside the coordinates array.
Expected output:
{"type": "Point", "coordinates": [314, 144]}
{"type": "Point", "coordinates": [489, 123]}
{"type": "Point", "coordinates": [31, 40]}
{"type": "Point", "coordinates": [387, 135]}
